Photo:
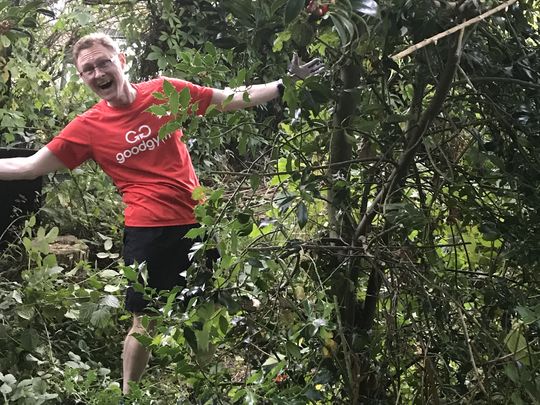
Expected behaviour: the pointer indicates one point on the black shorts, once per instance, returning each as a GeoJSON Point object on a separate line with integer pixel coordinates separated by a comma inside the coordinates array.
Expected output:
{"type": "Point", "coordinates": [165, 251]}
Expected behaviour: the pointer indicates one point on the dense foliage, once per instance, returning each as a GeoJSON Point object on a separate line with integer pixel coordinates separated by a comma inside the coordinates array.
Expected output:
{"type": "Point", "coordinates": [378, 229]}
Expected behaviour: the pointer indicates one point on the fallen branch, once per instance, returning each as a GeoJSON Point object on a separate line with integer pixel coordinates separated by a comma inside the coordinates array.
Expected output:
{"type": "Point", "coordinates": [441, 35]}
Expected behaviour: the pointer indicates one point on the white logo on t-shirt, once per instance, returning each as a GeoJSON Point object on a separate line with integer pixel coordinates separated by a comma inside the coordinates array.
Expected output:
{"type": "Point", "coordinates": [134, 137]}
{"type": "Point", "coordinates": [143, 143]}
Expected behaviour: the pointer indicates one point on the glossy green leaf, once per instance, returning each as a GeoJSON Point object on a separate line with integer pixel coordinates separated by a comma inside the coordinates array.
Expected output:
{"type": "Point", "coordinates": [292, 10]}
{"type": "Point", "coordinates": [302, 214]}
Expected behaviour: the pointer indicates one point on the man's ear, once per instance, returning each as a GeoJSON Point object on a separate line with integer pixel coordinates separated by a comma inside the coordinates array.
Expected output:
{"type": "Point", "coordinates": [122, 59]}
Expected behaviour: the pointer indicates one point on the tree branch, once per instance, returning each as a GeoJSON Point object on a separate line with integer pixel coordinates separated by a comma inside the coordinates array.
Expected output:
{"type": "Point", "coordinates": [498, 79]}
{"type": "Point", "coordinates": [415, 138]}
{"type": "Point", "coordinates": [437, 37]}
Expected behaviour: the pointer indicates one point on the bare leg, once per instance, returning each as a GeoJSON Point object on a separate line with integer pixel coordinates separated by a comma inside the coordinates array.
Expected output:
{"type": "Point", "coordinates": [135, 356]}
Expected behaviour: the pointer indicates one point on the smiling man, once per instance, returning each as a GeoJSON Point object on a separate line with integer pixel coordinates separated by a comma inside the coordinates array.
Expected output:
{"type": "Point", "coordinates": [154, 175]}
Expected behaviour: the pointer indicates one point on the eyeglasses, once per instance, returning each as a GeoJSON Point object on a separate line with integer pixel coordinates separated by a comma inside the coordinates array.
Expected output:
{"type": "Point", "coordinates": [89, 71]}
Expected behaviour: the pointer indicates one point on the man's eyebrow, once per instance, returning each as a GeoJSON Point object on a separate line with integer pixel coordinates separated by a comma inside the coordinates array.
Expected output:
{"type": "Point", "coordinates": [96, 62]}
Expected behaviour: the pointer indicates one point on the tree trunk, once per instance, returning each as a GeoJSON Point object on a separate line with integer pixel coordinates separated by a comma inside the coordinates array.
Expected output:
{"type": "Point", "coordinates": [341, 149]}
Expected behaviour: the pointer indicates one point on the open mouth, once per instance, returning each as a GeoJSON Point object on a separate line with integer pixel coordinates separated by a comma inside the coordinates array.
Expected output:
{"type": "Point", "coordinates": [105, 85]}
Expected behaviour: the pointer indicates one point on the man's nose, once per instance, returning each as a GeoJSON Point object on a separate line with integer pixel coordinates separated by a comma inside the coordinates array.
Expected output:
{"type": "Point", "coordinates": [98, 71]}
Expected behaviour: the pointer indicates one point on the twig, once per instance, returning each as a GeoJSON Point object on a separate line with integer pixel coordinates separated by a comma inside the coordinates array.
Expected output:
{"type": "Point", "coordinates": [51, 354]}
{"type": "Point", "coordinates": [471, 354]}
{"type": "Point", "coordinates": [496, 79]}
{"type": "Point", "coordinates": [344, 343]}
{"type": "Point", "coordinates": [458, 27]}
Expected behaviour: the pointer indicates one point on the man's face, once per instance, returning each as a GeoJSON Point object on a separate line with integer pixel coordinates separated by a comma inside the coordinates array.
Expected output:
{"type": "Point", "coordinates": [101, 69]}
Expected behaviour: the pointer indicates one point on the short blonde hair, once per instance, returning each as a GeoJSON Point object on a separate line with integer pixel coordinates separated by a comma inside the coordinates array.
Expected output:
{"type": "Point", "coordinates": [90, 40]}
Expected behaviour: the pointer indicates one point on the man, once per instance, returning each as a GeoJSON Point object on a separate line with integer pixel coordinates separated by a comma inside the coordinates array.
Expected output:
{"type": "Point", "coordinates": [155, 176]}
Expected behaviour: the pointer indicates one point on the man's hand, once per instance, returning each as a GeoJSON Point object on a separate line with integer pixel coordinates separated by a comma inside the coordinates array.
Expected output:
{"type": "Point", "coordinates": [234, 99]}
{"type": "Point", "coordinates": [300, 71]}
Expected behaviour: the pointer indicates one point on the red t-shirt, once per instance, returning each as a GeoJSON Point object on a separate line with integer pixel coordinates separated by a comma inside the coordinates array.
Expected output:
{"type": "Point", "coordinates": [154, 176]}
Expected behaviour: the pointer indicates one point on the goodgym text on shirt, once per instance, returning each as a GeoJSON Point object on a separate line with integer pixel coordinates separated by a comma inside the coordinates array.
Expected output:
{"type": "Point", "coordinates": [144, 142]}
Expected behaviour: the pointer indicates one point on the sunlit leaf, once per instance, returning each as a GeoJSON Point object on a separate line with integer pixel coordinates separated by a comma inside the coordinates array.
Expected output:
{"type": "Point", "coordinates": [110, 301]}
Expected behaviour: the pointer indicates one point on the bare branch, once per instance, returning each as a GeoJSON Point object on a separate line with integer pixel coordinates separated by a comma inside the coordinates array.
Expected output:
{"type": "Point", "coordinates": [450, 31]}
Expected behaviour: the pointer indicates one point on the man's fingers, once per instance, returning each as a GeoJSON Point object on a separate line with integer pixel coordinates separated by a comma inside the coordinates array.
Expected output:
{"type": "Point", "coordinates": [311, 63]}
{"type": "Point", "coordinates": [303, 71]}
{"type": "Point", "coordinates": [294, 60]}
{"type": "Point", "coordinates": [316, 67]}
{"type": "Point", "coordinates": [318, 71]}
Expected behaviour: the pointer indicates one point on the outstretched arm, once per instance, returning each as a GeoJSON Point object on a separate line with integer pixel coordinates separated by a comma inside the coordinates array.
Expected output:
{"type": "Point", "coordinates": [233, 99]}
{"type": "Point", "coordinates": [28, 168]}
{"type": "Point", "coordinates": [258, 94]}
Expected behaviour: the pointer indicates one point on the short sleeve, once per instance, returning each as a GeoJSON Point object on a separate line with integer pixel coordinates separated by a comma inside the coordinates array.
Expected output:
{"type": "Point", "coordinates": [72, 145]}
{"type": "Point", "coordinates": [199, 94]}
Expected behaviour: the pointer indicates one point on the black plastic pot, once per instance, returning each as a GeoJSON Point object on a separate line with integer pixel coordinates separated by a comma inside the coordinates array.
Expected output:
{"type": "Point", "coordinates": [18, 199]}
